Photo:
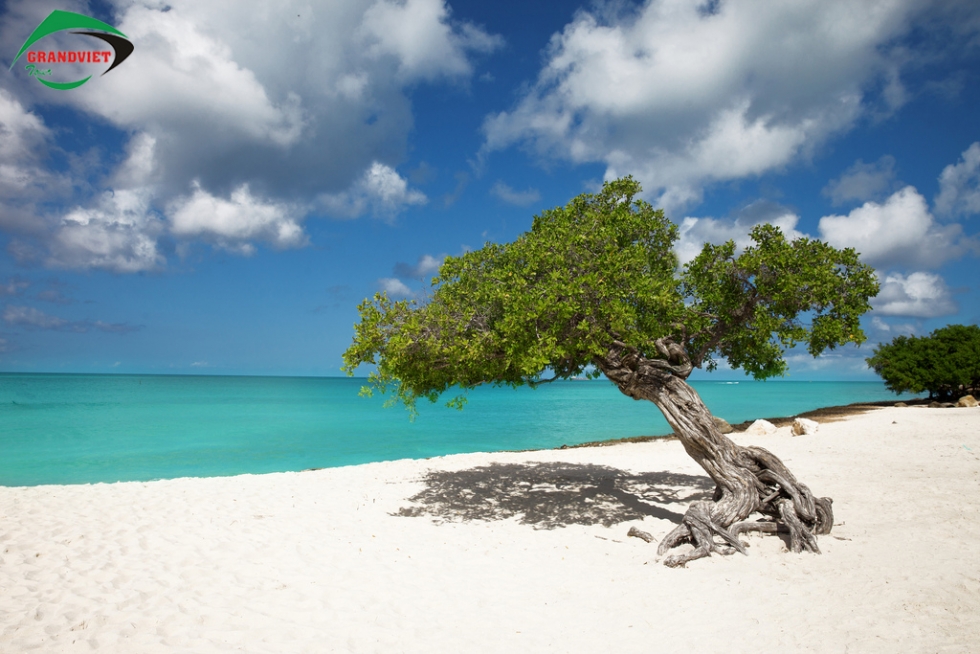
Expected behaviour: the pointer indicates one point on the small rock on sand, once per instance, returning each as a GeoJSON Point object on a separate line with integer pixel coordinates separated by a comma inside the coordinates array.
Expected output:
{"type": "Point", "coordinates": [804, 426]}
{"type": "Point", "coordinates": [722, 425]}
{"type": "Point", "coordinates": [967, 401]}
{"type": "Point", "coordinates": [761, 428]}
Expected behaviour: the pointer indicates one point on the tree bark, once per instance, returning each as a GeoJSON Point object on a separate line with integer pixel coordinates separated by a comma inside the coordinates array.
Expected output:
{"type": "Point", "coordinates": [747, 480]}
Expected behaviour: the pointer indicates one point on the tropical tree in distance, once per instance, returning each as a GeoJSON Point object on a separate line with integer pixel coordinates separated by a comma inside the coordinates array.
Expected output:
{"type": "Point", "coordinates": [594, 288]}
{"type": "Point", "coordinates": [945, 363]}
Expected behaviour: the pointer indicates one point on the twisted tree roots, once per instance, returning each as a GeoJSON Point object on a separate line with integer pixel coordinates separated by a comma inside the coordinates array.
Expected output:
{"type": "Point", "coordinates": [789, 504]}
{"type": "Point", "coordinates": [748, 480]}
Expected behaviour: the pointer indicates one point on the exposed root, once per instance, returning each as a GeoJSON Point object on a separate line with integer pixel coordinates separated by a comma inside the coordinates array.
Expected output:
{"type": "Point", "coordinates": [639, 533]}
{"type": "Point", "coordinates": [740, 528]}
{"type": "Point", "coordinates": [748, 480]}
{"type": "Point", "coordinates": [700, 528]}
{"type": "Point", "coordinates": [679, 535]}
{"type": "Point", "coordinates": [791, 507]}
{"type": "Point", "coordinates": [825, 516]}
{"type": "Point", "coordinates": [800, 537]}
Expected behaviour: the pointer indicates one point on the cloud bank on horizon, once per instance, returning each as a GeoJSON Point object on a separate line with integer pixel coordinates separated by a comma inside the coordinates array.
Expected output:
{"type": "Point", "coordinates": [239, 123]}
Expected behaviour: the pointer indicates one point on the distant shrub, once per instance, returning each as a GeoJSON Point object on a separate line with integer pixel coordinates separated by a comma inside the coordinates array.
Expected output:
{"type": "Point", "coordinates": [944, 363]}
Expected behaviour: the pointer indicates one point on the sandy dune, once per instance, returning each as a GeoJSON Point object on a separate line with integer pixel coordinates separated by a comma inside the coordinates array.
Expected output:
{"type": "Point", "coordinates": [512, 552]}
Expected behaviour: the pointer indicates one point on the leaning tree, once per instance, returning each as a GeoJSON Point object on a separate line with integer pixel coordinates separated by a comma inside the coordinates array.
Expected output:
{"type": "Point", "coordinates": [595, 288]}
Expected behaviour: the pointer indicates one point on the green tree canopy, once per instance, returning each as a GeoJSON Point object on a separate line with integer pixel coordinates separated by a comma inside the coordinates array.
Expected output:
{"type": "Point", "coordinates": [599, 271]}
{"type": "Point", "coordinates": [944, 363]}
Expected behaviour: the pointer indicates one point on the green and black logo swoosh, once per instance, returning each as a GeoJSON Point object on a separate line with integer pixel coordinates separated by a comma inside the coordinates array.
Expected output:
{"type": "Point", "coordinates": [62, 21]}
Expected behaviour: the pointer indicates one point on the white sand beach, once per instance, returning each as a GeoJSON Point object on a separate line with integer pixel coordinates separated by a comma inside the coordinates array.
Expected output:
{"type": "Point", "coordinates": [510, 552]}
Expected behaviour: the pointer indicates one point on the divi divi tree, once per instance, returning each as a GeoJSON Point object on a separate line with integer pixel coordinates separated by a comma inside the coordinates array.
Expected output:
{"type": "Point", "coordinates": [594, 288]}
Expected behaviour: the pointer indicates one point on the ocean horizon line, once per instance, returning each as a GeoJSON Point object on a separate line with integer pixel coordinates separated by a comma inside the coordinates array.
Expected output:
{"type": "Point", "coordinates": [747, 379]}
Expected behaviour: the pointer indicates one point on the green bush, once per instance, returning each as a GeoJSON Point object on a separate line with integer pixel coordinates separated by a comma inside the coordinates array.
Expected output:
{"type": "Point", "coordinates": [946, 363]}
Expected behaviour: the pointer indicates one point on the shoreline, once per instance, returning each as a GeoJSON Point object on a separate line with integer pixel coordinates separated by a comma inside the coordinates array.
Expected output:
{"type": "Point", "coordinates": [828, 414]}
{"type": "Point", "coordinates": [506, 551]}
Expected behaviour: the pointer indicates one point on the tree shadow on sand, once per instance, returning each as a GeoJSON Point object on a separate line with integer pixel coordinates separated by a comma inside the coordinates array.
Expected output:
{"type": "Point", "coordinates": [550, 495]}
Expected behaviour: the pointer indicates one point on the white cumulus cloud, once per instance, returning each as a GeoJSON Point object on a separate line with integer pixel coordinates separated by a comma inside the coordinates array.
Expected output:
{"type": "Point", "coordinates": [291, 98]}
{"type": "Point", "coordinates": [24, 178]}
{"type": "Point", "coordinates": [898, 231]}
{"type": "Point", "coordinates": [22, 135]}
{"type": "Point", "coordinates": [234, 222]}
{"type": "Point", "coordinates": [380, 191]}
{"type": "Point", "coordinates": [119, 233]}
{"type": "Point", "coordinates": [427, 265]}
{"type": "Point", "coordinates": [139, 167]}
{"type": "Point", "coordinates": [959, 185]}
{"type": "Point", "coordinates": [695, 232]}
{"type": "Point", "coordinates": [418, 34]}
{"type": "Point", "coordinates": [394, 287]}
{"type": "Point", "coordinates": [183, 76]}
{"type": "Point", "coordinates": [680, 96]}
{"type": "Point", "coordinates": [918, 295]}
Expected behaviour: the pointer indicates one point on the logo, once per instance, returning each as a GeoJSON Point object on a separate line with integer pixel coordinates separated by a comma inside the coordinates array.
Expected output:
{"type": "Point", "coordinates": [66, 21]}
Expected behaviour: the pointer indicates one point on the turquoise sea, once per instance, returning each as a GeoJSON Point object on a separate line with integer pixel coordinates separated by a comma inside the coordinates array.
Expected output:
{"type": "Point", "coordinates": [66, 429]}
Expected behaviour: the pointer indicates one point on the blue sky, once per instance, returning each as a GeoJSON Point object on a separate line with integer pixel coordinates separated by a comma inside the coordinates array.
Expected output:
{"type": "Point", "coordinates": [222, 201]}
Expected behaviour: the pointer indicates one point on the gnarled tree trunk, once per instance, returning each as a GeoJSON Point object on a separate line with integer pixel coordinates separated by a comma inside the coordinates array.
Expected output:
{"type": "Point", "coordinates": [747, 479]}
